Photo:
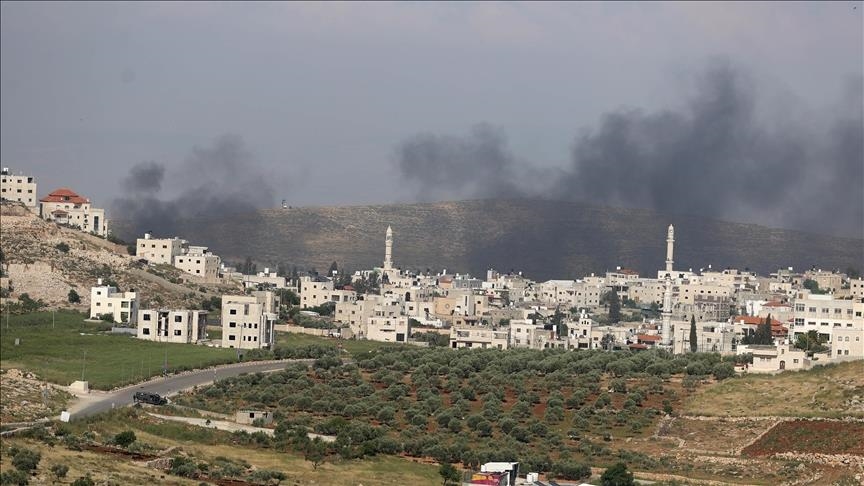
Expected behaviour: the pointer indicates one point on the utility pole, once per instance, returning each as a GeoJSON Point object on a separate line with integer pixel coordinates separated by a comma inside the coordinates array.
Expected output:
{"type": "Point", "coordinates": [83, 364]}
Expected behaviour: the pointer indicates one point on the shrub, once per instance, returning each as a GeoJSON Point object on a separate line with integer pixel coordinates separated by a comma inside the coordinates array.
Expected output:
{"type": "Point", "coordinates": [617, 475]}
{"type": "Point", "coordinates": [25, 460]}
{"type": "Point", "coordinates": [59, 470]}
{"type": "Point", "coordinates": [14, 477]}
{"type": "Point", "coordinates": [125, 438]}
{"type": "Point", "coordinates": [619, 385]}
{"type": "Point", "coordinates": [63, 247]}
{"type": "Point", "coordinates": [73, 297]}
{"type": "Point", "coordinates": [184, 467]}
{"type": "Point", "coordinates": [570, 470]}
{"type": "Point", "coordinates": [697, 368]}
{"type": "Point", "coordinates": [84, 481]}
{"type": "Point", "coordinates": [722, 371]}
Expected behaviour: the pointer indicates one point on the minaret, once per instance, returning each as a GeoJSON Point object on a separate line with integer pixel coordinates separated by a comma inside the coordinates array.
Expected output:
{"type": "Point", "coordinates": [670, 246]}
{"type": "Point", "coordinates": [666, 335]}
{"type": "Point", "coordinates": [388, 249]}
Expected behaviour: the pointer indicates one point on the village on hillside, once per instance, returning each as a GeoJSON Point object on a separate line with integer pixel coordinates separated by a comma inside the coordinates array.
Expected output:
{"type": "Point", "coordinates": [165, 291]}
{"type": "Point", "coordinates": [789, 320]}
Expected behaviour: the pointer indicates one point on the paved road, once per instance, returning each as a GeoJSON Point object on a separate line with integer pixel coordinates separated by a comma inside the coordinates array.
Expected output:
{"type": "Point", "coordinates": [97, 402]}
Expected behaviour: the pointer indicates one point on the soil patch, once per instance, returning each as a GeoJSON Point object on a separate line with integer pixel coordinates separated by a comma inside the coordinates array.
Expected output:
{"type": "Point", "coordinates": [821, 437]}
{"type": "Point", "coordinates": [136, 456]}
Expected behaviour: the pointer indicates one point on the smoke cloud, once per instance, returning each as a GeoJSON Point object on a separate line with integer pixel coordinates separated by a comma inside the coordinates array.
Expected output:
{"type": "Point", "coordinates": [213, 181]}
{"type": "Point", "coordinates": [145, 177]}
{"type": "Point", "coordinates": [446, 166]}
{"type": "Point", "coordinates": [712, 157]}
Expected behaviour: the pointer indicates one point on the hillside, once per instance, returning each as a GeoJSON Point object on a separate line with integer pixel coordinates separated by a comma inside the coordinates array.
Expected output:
{"type": "Point", "coordinates": [35, 262]}
{"type": "Point", "coordinates": [544, 239]}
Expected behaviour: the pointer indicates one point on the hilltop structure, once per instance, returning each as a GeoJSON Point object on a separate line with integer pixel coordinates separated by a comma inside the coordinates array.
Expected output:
{"type": "Point", "coordinates": [18, 188]}
{"type": "Point", "coordinates": [194, 260]}
{"type": "Point", "coordinates": [64, 206]}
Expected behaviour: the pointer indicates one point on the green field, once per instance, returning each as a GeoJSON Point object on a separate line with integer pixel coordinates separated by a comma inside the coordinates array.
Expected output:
{"type": "Point", "coordinates": [67, 349]}
{"type": "Point", "coordinates": [355, 348]}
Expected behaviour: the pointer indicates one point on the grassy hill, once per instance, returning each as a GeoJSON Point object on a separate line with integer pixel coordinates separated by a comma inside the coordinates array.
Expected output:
{"type": "Point", "coordinates": [544, 239]}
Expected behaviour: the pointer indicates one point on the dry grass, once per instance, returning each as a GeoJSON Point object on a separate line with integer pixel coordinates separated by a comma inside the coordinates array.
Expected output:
{"type": "Point", "coordinates": [827, 391]}
{"type": "Point", "coordinates": [381, 470]}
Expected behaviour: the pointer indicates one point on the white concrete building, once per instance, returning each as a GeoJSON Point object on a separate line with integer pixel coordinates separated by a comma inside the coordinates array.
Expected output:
{"type": "Point", "coordinates": [105, 299]}
{"type": "Point", "coordinates": [19, 188]}
{"type": "Point", "coordinates": [267, 278]}
{"type": "Point", "coordinates": [314, 291]}
{"type": "Point", "coordinates": [479, 337]}
{"type": "Point", "coordinates": [825, 314]}
{"type": "Point", "coordinates": [64, 206]}
{"type": "Point", "coordinates": [711, 337]}
{"type": "Point", "coordinates": [172, 326]}
{"type": "Point", "coordinates": [388, 329]}
{"type": "Point", "coordinates": [248, 320]}
{"type": "Point", "coordinates": [200, 262]}
{"type": "Point", "coordinates": [772, 359]}
{"type": "Point", "coordinates": [159, 250]}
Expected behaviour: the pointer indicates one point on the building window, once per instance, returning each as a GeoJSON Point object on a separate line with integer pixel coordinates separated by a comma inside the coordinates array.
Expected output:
{"type": "Point", "coordinates": [232, 324]}
{"type": "Point", "coordinates": [178, 332]}
{"type": "Point", "coordinates": [178, 318]}
{"type": "Point", "coordinates": [232, 337]}
{"type": "Point", "coordinates": [146, 330]}
{"type": "Point", "coordinates": [145, 317]}
{"type": "Point", "coordinates": [233, 312]}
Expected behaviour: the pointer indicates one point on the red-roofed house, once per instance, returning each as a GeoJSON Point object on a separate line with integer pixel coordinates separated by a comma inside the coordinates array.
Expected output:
{"type": "Point", "coordinates": [66, 207]}
{"type": "Point", "coordinates": [648, 340]}
{"type": "Point", "coordinates": [777, 327]}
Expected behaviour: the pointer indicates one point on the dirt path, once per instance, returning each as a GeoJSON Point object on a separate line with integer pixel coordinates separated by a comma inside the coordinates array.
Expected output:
{"type": "Point", "coordinates": [214, 424]}
{"type": "Point", "coordinates": [159, 281]}
{"type": "Point", "coordinates": [231, 426]}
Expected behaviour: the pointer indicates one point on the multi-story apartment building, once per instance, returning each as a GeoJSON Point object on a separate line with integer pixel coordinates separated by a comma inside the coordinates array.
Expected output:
{"type": "Point", "coordinates": [159, 250]}
{"type": "Point", "coordinates": [265, 278]}
{"type": "Point", "coordinates": [248, 320]}
{"type": "Point", "coordinates": [825, 314]}
{"type": "Point", "coordinates": [711, 337]}
{"type": "Point", "coordinates": [64, 206]}
{"type": "Point", "coordinates": [198, 261]}
{"type": "Point", "coordinates": [105, 299]}
{"type": "Point", "coordinates": [479, 337]}
{"type": "Point", "coordinates": [389, 329]}
{"type": "Point", "coordinates": [315, 291]}
{"type": "Point", "coordinates": [19, 188]}
{"type": "Point", "coordinates": [172, 326]}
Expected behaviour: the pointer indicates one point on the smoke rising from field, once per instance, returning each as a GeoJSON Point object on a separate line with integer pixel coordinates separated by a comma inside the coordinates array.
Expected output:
{"type": "Point", "coordinates": [212, 182]}
{"type": "Point", "coordinates": [713, 157]}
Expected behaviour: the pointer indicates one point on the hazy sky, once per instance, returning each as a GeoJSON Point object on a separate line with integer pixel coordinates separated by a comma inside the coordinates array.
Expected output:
{"type": "Point", "coordinates": [323, 95]}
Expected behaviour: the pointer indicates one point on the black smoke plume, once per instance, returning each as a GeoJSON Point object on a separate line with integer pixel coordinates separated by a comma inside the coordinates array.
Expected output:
{"type": "Point", "coordinates": [211, 183]}
{"type": "Point", "coordinates": [445, 166]}
{"type": "Point", "coordinates": [713, 157]}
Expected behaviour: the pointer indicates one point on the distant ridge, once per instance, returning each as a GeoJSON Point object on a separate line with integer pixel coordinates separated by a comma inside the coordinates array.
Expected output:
{"type": "Point", "coordinates": [544, 239]}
